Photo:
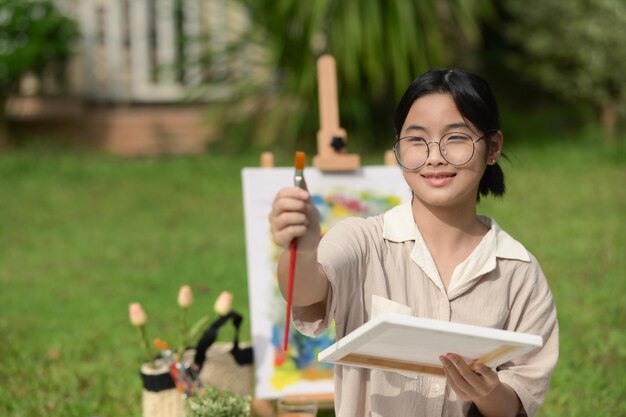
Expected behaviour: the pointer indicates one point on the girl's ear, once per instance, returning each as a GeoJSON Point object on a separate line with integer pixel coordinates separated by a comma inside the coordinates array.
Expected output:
{"type": "Point", "coordinates": [495, 148]}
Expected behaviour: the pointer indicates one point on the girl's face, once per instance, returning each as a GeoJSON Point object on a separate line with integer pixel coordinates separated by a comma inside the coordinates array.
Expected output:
{"type": "Point", "coordinates": [437, 182]}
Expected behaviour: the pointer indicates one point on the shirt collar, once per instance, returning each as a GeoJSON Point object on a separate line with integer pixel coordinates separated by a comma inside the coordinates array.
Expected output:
{"type": "Point", "coordinates": [399, 226]}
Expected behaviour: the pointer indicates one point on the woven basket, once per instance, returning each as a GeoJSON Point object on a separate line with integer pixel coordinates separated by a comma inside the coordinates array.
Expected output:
{"type": "Point", "coordinates": [222, 371]}
{"type": "Point", "coordinates": [160, 397]}
{"type": "Point", "coordinates": [168, 403]}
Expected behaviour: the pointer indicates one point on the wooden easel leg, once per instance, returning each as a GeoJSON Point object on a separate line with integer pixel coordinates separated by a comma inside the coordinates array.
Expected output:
{"type": "Point", "coordinates": [267, 160]}
{"type": "Point", "coordinates": [263, 408]}
{"type": "Point", "coordinates": [331, 138]}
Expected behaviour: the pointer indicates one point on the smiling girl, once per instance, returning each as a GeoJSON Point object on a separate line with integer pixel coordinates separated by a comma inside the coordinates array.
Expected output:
{"type": "Point", "coordinates": [433, 257]}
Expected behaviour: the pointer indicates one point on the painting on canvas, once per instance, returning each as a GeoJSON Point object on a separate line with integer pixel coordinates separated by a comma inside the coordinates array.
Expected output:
{"type": "Point", "coordinates": [369, 191]}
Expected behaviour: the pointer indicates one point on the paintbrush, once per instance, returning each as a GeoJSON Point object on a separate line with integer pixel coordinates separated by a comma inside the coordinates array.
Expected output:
{"type": "Point", "coordinates": [179, 374]}
{"type": "Point", "coordinates": [298, 181]}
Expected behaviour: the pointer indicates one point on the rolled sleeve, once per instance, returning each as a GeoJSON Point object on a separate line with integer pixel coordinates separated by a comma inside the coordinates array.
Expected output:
{"type": "Point", "coordinates": [340, 255]}
{"type": "Point", "coordinates": [313, 320]}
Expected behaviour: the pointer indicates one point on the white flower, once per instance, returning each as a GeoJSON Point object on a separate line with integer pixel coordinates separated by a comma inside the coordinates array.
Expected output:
{"type": "Point", "coordinates": [224, 303]}
{"type": "Point", "coordinates": [185, 298]}
{"type": "Point", "coordinates": [136, 314]}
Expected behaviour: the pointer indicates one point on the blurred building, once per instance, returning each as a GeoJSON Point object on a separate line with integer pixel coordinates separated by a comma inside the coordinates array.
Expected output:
{"type": "Point", "coordinates": [143, 74]}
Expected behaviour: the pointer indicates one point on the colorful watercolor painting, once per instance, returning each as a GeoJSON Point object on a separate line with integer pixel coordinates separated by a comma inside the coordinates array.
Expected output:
{"type": "Point", "coordinates": [367, 192]}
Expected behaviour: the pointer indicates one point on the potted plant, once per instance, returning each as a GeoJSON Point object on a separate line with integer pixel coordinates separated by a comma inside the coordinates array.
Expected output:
{"type": "Point", "coordinates": [211, 402]}
{"type": "Point", "coordinates": [170, 375]}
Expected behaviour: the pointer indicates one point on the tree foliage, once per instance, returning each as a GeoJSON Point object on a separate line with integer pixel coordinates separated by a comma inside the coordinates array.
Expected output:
{"type": "Point", "coordinates": [379, 46]}
{"type": "Point", "coordinates": [33, 33]}
{"type": "Point", "coordinates": [385, 44]}
{"type": "Point", "coordinates": [574, 48]}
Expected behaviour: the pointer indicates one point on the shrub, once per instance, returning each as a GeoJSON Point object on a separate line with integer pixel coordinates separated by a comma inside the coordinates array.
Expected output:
{"type": "Point", "coordinates": [33, 33]}
{"type": "Point", "coordinates": [215, 403]}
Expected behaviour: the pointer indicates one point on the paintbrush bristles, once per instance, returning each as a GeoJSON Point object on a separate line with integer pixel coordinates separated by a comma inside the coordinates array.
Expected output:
{"type": "Point", "coordinates": [299, 161]}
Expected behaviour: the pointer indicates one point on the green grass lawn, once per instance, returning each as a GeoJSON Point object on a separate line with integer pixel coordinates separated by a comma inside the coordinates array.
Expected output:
{"type": "Point", "coordinates": [83, 235]}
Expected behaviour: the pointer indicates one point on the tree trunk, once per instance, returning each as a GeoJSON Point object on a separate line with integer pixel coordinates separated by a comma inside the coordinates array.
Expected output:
{"type": "Point", "coordinates": [609, 118]}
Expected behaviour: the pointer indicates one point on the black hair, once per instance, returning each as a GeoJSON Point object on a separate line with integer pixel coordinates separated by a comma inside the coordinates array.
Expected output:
{"type": "Point", "coordinates": [476, 103]}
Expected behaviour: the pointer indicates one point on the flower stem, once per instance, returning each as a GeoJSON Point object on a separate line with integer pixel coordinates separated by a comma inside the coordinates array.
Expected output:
{"type": "Point", "coordinates": [146, 343]}
{"type": "Point", "coordinates": [183, 335]}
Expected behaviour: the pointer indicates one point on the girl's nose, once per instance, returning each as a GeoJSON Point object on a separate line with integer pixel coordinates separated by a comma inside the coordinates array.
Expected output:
{"type": "Point", "coordinates": [434, 154]}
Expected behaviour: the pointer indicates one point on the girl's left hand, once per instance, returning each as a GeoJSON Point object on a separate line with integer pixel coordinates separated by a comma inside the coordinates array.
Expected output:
{"type": "Point", "coordinates": [469, 383]}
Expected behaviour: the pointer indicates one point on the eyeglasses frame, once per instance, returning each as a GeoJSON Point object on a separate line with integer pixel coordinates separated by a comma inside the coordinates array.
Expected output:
{"type": "Point", "coordinates": [474, 142]}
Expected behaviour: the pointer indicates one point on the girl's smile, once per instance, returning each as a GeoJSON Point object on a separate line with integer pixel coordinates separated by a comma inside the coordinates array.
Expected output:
{"type": "Point", "coordinates": [438, 179]}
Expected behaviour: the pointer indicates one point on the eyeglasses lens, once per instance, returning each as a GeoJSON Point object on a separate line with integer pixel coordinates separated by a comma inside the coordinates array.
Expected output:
{"type": "Point", "coordinates": [456, 148]}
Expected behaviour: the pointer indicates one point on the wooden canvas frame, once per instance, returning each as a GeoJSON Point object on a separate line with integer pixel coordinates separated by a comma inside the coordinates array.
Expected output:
{"type": "Point", "coordinates": [414, 344]}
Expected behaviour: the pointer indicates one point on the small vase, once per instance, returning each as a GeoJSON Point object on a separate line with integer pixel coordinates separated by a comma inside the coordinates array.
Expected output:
{"type": "Point", "coordinates": [160, 398]}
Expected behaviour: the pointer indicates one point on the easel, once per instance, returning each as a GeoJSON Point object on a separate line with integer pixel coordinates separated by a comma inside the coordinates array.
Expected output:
{"type": "Point", "coordinates": [332, 156]}
{"type": "Point", "coordinates": [332, 139]}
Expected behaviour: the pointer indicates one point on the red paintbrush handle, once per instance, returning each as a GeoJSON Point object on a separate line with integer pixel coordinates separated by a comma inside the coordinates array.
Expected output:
{"type": "Point", "coordinates": [292, 271]}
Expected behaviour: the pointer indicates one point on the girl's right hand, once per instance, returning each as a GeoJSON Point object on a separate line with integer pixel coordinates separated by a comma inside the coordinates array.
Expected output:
{"type": "Point", "coordinates": [294, 215]}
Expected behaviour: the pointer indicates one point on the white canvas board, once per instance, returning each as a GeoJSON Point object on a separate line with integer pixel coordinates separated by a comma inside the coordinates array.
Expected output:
{"type": "Point", "coordinates": [368, 191]}
{"type": "Point", "coordinates": [391, 341]}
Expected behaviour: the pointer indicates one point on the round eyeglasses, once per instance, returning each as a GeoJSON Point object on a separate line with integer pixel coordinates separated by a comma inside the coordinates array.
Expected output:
{"type": "Point", "coordinates": [455, 147]}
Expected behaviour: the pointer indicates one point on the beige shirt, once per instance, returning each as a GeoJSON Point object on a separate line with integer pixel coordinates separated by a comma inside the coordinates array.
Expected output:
{"type": "Point", "coordinates": [500, 285]}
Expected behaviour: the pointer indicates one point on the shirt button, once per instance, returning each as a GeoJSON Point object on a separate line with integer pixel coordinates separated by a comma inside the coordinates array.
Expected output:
{"type": "Point", "coordinates": [436, 388]}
